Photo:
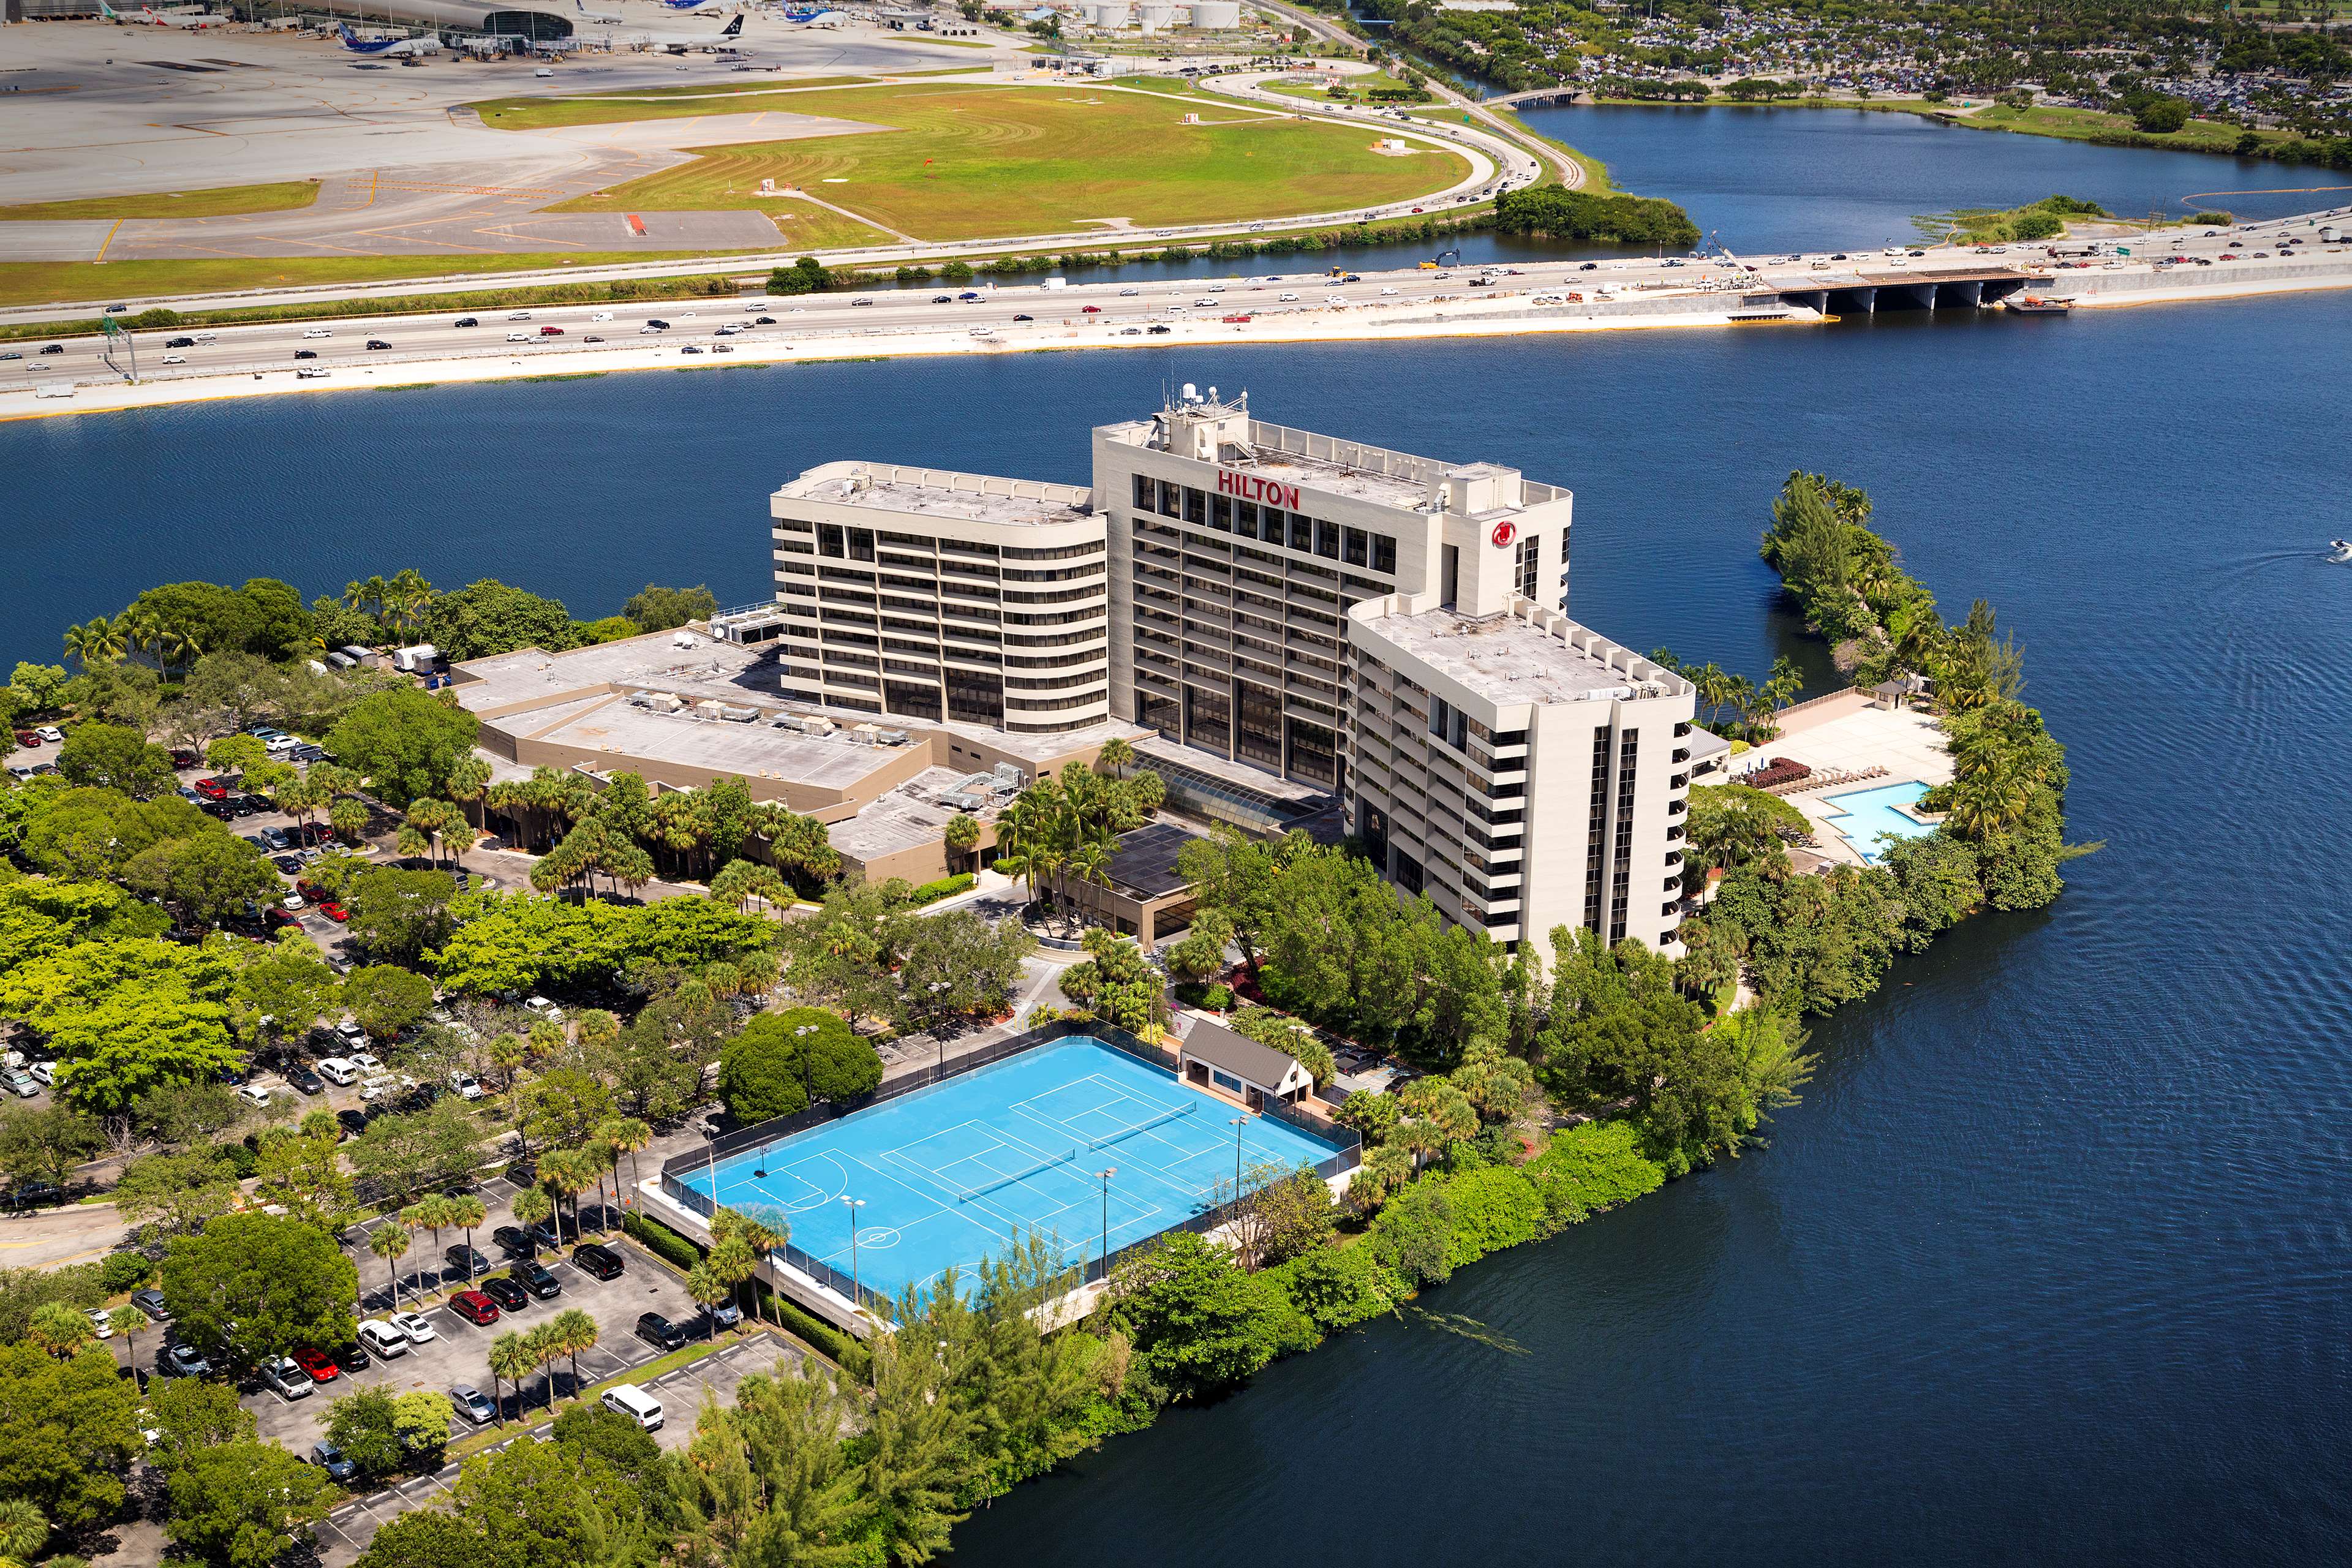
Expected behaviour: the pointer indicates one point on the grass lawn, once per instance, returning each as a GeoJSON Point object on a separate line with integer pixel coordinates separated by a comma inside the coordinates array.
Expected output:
{"type": "Point", "coordinates": [58, 282]}
{"type": "Point", "coordinates": [221, 202]}
{"type": "Point", "coordinates": [968, 163]}
{"type": "Point", "coordinates": [1596, 173]}
{"type": "Point", "coordinates": [655, 103]}
{"type": "Point", "coordinates": [2081, 125]}
{"type": "Point", "coordinates": [1360, 88]}
{"type": "Point", "coordinates": [808, 226]}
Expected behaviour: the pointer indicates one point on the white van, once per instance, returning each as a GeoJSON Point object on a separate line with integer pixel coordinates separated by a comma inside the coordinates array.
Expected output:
{"type": "Point", "coordinates": [382, 1340]}
{"type": "Point", "coordinates": [336, 1070]}
{"type": "Point", "coordinates": [635, 1403]}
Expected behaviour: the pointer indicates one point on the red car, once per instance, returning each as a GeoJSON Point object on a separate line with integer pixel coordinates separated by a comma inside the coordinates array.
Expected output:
{"type": "Point", "coordinates": [184, 758]}
{"type": "Point", "coordinates": [1091, 310]}
{"type": "Point", "coordinates": [550, 332]}
{"type": "Point", "coordinates": [334, 911]}
{"type": "Point", "coordinates": [28, 739]}
{"type": "Point", "coordinates": [211, 789]}
{"type": "Point", "coordinates": [475, 1307]}
{"type": "Point", "coordinates": [318, 1364]}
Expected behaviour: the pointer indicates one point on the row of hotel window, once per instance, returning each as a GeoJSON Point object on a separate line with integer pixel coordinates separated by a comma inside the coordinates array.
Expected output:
{"type": "Point", "coordinates": [1291, 529]}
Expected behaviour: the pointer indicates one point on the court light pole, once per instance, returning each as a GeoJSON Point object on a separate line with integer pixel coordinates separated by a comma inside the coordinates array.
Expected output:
{"type": "Point", "coordinates": [856, 1295]}
{"type": "Point", "coordinates": [1105, 1176]}
{"type": "Point", "coordinates": [934, 988]}
{"type": "Point", "coordinates": [1239, 1122]}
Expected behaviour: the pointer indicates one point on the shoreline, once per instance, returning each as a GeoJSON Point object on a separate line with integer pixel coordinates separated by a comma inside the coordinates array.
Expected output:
{"type": "Point", "coordinates": [1502, 317]}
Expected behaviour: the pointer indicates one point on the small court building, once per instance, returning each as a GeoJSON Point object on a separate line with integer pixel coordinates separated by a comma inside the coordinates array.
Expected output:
{"type": "Point", "coordinates": [1215, 1056]}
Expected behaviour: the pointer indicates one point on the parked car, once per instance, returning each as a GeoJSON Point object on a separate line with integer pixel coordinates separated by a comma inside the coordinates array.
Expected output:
{"type": "Point", "coordinates": [601, 1262]}
{"type": "Point", "coordinates": [661, 1332]}
{"type": "Point", "coordinates": [352, 1121]}
{"type": "Point", "coordinates": [304, 1079]}
{"type": "Point", "coordinates": [723, 1315]}
{"type": "Point", "coordinates": [513, 1242]}
{"type": "Point", "coordinates": [150, 1301]}
{"type": "Point", "coordinates": [627, 1399]}
{"type": "Point", "coordinates": [318, 1363]}
{"type": "Point", "coordinates": [463, 1259]}
{"type": "Point", "coordinates": [286, 1380]}
{"type": "Point", "coordinates": [352, 1358]}
{"type": "Point", "coordinates": [382, 1339]}
{"type": "Point", "coordinates": [541, 1007]}
{"type": "Point", "coordinates": [545, 1234]}
{"type": "Point", "coordinates": [509, 1296]}
{"type": "Point", "coordinates": [537, 1279]}
{"type": "Point", "coordinates": [330, 1458]}
{"type": "Point", "coordinates": [182, 1360]}
{"type": "Point", "coordinates": [415, 1325]}
{"type": "Point", "coordinates": [20, 1083]}
{"type": "Point", "coordinates": [475, 1307]}
{"type": "Point", "coordinates": [472, 1403]}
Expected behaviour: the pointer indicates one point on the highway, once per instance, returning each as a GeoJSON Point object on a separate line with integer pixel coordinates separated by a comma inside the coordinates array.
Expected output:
{"type": "Point", "coordinates": [1011, 312]}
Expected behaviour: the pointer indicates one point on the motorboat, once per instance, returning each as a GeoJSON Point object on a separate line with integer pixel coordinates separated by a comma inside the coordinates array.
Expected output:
{"type": "Point", "coordinates": [2341, 548]}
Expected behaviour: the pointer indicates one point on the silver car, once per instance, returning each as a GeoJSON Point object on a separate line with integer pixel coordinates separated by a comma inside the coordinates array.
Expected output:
{"type": "Point", "coordinates": [286, 1380]}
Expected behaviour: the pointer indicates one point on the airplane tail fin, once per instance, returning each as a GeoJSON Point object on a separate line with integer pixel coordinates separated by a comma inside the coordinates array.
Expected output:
{"type": "Point", "coordinates": [345, 29]}
{"type": "Point", "coordinates": [733, 29]}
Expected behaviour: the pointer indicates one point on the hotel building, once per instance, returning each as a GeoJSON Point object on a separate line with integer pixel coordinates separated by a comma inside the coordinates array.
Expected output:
{"type": "Point", "coordinates": [1382, 627]}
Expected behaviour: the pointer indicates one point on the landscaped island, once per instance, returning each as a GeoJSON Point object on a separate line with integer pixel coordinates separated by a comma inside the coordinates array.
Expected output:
{"type": "Point", "coordinates": [1550, 1084]}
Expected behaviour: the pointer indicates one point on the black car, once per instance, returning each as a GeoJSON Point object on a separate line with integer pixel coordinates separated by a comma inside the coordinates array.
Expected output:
{"type": "Point", "coordinates": [179, 343]}
{"type": "Point", "coordinates": [536, 1278]}
{"type": "Point", "coordinates": [1589, 267]}
{"type": "Point", "coordinates": [506, 1293]}
{"type": "Point", "coordinates": [465, 322]}
{"type": "Point", "coordinates": [942, 298]}
{"type": "Point", "coordinates": [659, 1331]}
{"type": "Point", "coordinates": [306, 353]}
{"type": "Point", "coordinates": [351, 1358]}
{"type": "Point", "coordinates": [513, 1242]}
{"type": "Point", "coordinates": [378, 343]}
{"type": "Point", "coordinates": [181, 1361]}
{"type": "Point", "coordinates": [602, 1262]}
{"type": "Point", "coordinates": [288, 864]}
{"type": "Point", "coordinates": [1024, 318]}
{"type": "Point", "coordinates": [248, 805]}
{"type": "Point", "coordinates": [463, 1259]}
{"type": "Point", "coordinates": [1158, 329]}
{"type": "Point", "coordinates": [304, 1079]}
{"type": "Point", "coordinates": [353, 1122]}
{"type": "Point", "coordinates": [219, 810]}
{"type": "Point", "coordinates": [764, 322]}
{"type": "Point", "coordinates": [53, 349]}
{"type": "Point", "coordinates": [657, 323]}
{"type": "Point", "coordinates": [307, 753]}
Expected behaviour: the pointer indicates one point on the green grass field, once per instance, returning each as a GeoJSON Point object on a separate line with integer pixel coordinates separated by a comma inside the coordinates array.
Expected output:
{"type": "Point", "coordinates": [973, 162]}
{"type": "Point", "coordinates": [657, 103]}
{"type": "Point", "coordinates": [223, 202]}
{"type": "Point", "coordinates": [2082, 124]}
{"type": "Point", "coordinates": [808, 226]}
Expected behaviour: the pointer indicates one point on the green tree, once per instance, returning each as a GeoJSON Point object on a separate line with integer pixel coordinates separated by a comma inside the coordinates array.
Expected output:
{"type": "Point", "coordinates": [657, 609]}
{"type": "Point", "coordinates": [190, 1413]}
{"type": "Point", "coordinates": [46, 1143]}
{"type": "Point", "coordinates": [1199, 1323]}
{"type": "Point", "coordinates": [71, 1432]}
{"type": "Point", "coordinates": [488, 618]}
{"type": "Point", "coordinates": [406, 743]}
{"type": "Point", "coordinates": [177, 1194]}
{"type": "Point", "coordinates": [108, 756]}
{"type": "Point", "coordinates": [362, 1424]}
{"type": "Point", "coordinates": [290, 984]}
{"type": "Point", "coordinates": [244, 1504]}
{"type": "Point", "coordinates": [1117, 984]}
{"type": "Point", "coordinates": [255, 1286]}
{"type": "Point", "coordinates": [206, 878]}
{"type": "Point", "coordinates": [384, 999]}
{"type": "Point", "coordinates": [916, 1453]}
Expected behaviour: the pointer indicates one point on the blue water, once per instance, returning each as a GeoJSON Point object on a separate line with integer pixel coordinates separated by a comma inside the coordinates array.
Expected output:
{"type": "Point", "coordinates": [2053, 1264]}
{"type": "Point", "coordinates": [1869, 814]}
{"type": "Point", "coordinates": [950, 1175]}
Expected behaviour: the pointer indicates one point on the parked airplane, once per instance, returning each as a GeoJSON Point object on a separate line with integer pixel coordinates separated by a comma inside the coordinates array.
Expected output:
{"type": "Point", "coordinates": [607, 17]}
{"type": "Point", "coordinates": [676, 43]}
{"type": "Point", "coordinates": [684, 5]}
{"type": "Point", "coordinates": [387, 48]}
{"type": "Point", "coordinates": [149, 18]}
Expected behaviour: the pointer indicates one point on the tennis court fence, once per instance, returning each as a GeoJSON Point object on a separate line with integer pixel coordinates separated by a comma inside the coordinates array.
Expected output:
{"type": "Point", "coordinates": [1347, 1146]}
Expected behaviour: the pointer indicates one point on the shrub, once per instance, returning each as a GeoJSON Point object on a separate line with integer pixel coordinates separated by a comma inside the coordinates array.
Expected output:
{"type": "Point", "coordinates": [1414, 1234]}
{"type": "Point", "coordinates": [1493, 1208]}
{"type": "Point", "coordinates": [945, 888]}
{"type": "Point", "coordinates": [676, 1251]}
{"type": "Point", "coordinates": [238, 1159]}
{"type": "Point", "coordinates": [1337, 1286]}
{"type": "Point", "coordinates": [1590, 1167]}
{"type": "Point", "coordinates": [123, 1271]}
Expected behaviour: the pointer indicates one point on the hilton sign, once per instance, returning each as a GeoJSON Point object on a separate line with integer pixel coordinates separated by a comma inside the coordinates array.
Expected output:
{"type": "Point", "coordinates": [1249, 487]}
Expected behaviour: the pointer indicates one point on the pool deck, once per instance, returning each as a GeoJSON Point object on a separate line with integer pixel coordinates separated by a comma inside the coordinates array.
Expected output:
{"type": "Point", "coordinates": [1906, 743]}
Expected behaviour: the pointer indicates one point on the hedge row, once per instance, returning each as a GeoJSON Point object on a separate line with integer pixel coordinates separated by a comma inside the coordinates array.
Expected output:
{"type": "Point", "coordinates": [945, 888]}
{"type": "Point", "coordinates": [683, 1252]}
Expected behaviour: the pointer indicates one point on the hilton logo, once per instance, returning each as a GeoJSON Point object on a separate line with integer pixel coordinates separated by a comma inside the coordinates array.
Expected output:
{"type": "Point", "coordinates": [1249, 487]}
{"type": "Point", "coordinates": [1504, 533]}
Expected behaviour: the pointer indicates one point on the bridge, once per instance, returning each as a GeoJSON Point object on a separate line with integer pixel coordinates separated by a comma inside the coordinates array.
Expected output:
{"type": "Point", "coordinates": [1534, 97]}
{"type": "Point", "coordinates": [1863, 290]}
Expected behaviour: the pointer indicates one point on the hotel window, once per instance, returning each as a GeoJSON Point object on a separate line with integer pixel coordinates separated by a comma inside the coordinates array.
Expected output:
{"type": "Point", "coordinates": [1530, 553]}
{"type": "Point", "coordinates": [1196, 505]}
{"type": "Point", "coordinates": [1384, 553]}
{"type": "Point", "coordinates": [1314, 753]}
{"type": "Point", "coordinates": [1156, 712]}
{"type": "Point", "coordinates": [1207, 720]}
{"type": "Point", "coordinates": [1221, 513]}
{"type": "Point", "coordinates": [975, 698]}
{"type": "Point", "coordinates": [1302, 535]}
{"type": "Point", "coordinates": [828, 540]}
{"type": "Point", "coordinates": [861, 544]}
{"type": "Point", "coordinates": [1357, 549]}
{"type": "Point", "coordinates": [1146, 497]}
{"type": "Point", "coordinates": [915, 701]}
{"type": "Point", "coordinates": [1257, 738]}
{"type": "Point", "coordinates": [1244, 518]}
{"type": "Point", "coordinates": [1327, 540]}
{"type": "Point", "coordinates": [1172, 499]}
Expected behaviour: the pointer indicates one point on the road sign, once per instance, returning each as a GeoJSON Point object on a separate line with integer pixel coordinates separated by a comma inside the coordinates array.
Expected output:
{"type": "Point", "coordinates": [106, 324]}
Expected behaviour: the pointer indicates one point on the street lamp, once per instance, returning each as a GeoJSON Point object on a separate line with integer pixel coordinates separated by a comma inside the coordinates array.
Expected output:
{"type": "Point", "coordinates": [1238, 1124]}
{"type": "Point", "coordinates": [854, 1204]}
{"type": "Point", "coordinates": [934, 988]}
{"type": "Point", "coordinates": [1105, 1177]}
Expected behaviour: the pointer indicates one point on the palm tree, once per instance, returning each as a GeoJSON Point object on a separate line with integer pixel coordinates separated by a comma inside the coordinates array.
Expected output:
{"type": "Point", "coordinates": [511, 1361]}
{"type": "Point", "coordinates": [60, 1329]}
{"type": "Point", "coordinates": [94, 642]}
{"type": "Point", "coordinates": [962, 836]}
{"type": "Point", "coordinates": [763, 1231]}
{"type": "Point", "coordinates": [23, 1530]}
{"type": "Point", "coordinates": [626, 1135]}
{"type": "Point", "coordinates": [468, 782]}
{"type": "Point", "coordinates": [467, 1211]}
{"type": "Point", "coordinates": [732, 1259]}
{"type": "Point", "coordinates": [430, 1212]}
{"type": "Point", "coordinates": [390, 1242]}
{"type": "Point", "coordinates": [140, 628]}
{"type": "Point", "coordinates": [707, 1289]}
{"type": "Point", "coordinates": [546, 1348]}
{"type": "Point", "coordinates": [532, 1206]}
{"type": "Point", "coordinates": [573, 1331]}
{"type": "Point", "coordinates": [564, 1174]}
{"type": "Point", "coordinates": [1090, 863]}
{"type": "Point", "coordinates": [127, 1320]}
{"type": "Point", "coordinates": [1116, 756]}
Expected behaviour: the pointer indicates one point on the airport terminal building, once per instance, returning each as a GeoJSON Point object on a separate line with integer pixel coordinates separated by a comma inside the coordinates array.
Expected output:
{"type": "Point", "coordinates": [1276, 614]}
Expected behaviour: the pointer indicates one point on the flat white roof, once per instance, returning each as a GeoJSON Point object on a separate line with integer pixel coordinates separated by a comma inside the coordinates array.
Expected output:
{"type": "Point", "coordinates": [941, 492]}
{"type": "Point", "coordinates": [1509, 661]}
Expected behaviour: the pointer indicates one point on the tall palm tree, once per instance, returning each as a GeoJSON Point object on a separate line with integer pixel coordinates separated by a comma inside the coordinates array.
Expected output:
{"type": "Point", "coordinates": [94, 642]}
{"type": "Point", "coordinates": [564, 1174]}
{"type": "Point", "coordinates": [707, 1289]}
{"type": "Point", "coordinates": [573, 1331]}
{"type": "Point", "coordinates": [511, 1361]}
{"type": "Point", "coordinates": [467, 1211]}
{"type": "Point", "coordinates": [468, 781]}
{"type": "Point", "coordinates": [546, 1347]}
{"type": "Point", "coordinates": [429, 1212]}
{"type": "Point", "coordinates": [23, 1530]}
{"type": "Point", "coordinates": [140, 628]}
{"type": "Point", "coordinates": [532, 1206]}
{"type": "Point", "coordinates": [626, 1135]}
{"type": "Point", "coordinates": [127, 1320]}
{"type": "Point", "coordinates": [1116, 756]}
{"type": "Point", "coordinates": [391, 1243]}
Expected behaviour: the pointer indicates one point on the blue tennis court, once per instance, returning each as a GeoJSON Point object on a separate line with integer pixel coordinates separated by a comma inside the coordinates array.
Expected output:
{"type": "Point", "coordinates": [951, 1174]}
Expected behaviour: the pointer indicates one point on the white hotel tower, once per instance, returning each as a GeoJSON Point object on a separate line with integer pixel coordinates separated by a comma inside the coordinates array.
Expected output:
{"type": "Point", "coordinates": [1374, 625]}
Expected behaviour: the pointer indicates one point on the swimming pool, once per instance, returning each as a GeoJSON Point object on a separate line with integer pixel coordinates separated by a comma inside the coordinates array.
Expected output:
{"type": "Point", "coordinates": [1865, 814]}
